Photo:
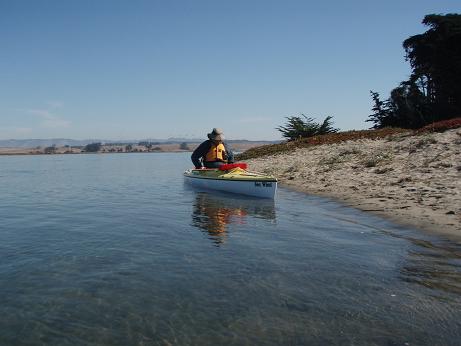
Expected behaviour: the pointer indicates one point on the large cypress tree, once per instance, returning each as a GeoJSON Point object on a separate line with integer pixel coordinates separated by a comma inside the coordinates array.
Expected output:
{"type": "Point", "coordinates": [433, 91]}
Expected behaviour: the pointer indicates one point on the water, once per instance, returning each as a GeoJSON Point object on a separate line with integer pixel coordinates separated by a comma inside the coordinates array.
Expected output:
{"type": "Point", "coordinates": [116, 250]}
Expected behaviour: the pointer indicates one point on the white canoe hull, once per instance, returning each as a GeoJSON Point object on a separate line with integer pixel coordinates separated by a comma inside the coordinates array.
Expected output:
{"type": "Point", "coordinates": [262, 189]}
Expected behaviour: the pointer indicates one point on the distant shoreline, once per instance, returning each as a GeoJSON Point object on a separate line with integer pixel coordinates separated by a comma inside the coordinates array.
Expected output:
{"type": "Point", "coordinates": [91, 153]}
{"type": "Point", "coordinates": [237, 146]}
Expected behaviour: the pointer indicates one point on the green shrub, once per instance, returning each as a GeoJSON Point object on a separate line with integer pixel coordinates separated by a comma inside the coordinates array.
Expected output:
{"type": "Point", "coordinates": [297, 128]}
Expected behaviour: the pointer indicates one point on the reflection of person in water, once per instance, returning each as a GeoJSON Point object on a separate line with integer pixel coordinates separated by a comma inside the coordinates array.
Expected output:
{"type": "Point", "coordinates": [214, 218]}
{"type": "Point", "coordinates": [214, 213]}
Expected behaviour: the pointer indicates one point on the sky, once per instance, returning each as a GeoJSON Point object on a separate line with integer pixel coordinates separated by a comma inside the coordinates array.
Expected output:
{"type": "Point", "coordinates": [134, 69]}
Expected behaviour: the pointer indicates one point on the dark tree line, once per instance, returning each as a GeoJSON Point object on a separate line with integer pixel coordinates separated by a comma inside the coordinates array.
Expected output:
{"type": "Point", "coordinates": [92, 147]}
{"type": "Point", "coordinates": [433, 91]}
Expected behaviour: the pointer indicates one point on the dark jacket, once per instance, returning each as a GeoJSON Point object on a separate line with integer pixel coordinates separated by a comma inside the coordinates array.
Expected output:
{"type": "Point", "coordinates": [199, 154]}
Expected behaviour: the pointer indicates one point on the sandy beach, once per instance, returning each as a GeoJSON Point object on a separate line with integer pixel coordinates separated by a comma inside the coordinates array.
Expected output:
{"type": "Point", "coordinates": [412, 180]}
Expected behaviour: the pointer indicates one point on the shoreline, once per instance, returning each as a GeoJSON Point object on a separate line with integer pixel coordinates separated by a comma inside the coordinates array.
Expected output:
{"type": "Point", "coordinates": [414, 181]}
{"type": "Point", "coordinates": [403, 219]}
{"type": "Point", "coordinates": [119, 149]}
{"type": "Point", "coordinates": [93, 153]}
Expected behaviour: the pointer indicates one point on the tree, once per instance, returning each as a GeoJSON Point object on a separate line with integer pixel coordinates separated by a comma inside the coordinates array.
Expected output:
{"type": "Point", "coordinates": [380, 110]}
{"type": "Point", "coordinates": [184, 146]}
{"type": "Point", "coordinates": [50, 150]}
{"type": "Point", "coordinates": [128, 148]}
{"type": "Point", "coordinates": [435, 57]}
{"type": "Point", "coordinates": [407, 108]}
{"type": "Point", "coordinates": [146, 144]}
{"type": "Point", "coordinates": [92, 148]}
{"type": "Point", "coordinates": [433, 91]}
{"type": "Point", "coordinates": [296, 127]}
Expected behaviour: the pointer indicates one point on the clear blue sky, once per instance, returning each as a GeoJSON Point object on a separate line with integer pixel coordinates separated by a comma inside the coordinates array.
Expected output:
{"type": "Point", "coordinates": [157, 69]}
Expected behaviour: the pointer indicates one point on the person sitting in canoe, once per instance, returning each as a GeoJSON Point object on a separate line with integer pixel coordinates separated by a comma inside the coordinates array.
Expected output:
{"type": "Point", "coordinates": [213, 152]}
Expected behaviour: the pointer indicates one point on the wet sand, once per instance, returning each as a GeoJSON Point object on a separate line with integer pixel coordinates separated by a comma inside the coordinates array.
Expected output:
{"type": "Point", "coordinates": [412, 180]}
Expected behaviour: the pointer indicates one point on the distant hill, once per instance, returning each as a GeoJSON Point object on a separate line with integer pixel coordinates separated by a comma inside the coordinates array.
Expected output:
{"type": "Point", "coordinates": [60, 142]}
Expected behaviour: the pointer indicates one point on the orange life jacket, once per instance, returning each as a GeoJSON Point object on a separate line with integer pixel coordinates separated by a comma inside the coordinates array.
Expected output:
{"type": "Point", "coordinates": [216, 153]}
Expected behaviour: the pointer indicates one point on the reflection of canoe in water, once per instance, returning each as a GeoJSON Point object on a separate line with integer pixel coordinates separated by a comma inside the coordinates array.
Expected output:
{"type": "Point", "coordinates": [210, 204]}
{"type": "Point", "coordinates": [213, 213]}
{"type": "Point", "coordinates": [235, 180]}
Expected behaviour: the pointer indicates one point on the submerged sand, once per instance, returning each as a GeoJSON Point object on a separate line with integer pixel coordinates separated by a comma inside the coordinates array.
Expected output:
{"type": "Point", "coordinates": [413, 180]}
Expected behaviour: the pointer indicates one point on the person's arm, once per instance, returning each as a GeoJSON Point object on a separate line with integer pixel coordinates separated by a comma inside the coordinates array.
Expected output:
{"type": "Point", "coordinates": [198, 153]}
{"type": "Point", "coordinates": [229, 154]}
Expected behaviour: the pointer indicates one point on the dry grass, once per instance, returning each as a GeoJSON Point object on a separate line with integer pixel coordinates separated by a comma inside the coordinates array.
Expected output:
{"type": "Point", "coordinates": [317, 140]}
{"type": "Point", "coordinates": [332, 138]}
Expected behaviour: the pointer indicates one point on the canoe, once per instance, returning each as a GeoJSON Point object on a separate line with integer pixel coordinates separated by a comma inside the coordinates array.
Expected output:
{"type": "Point", "coordinates": [234, 179]}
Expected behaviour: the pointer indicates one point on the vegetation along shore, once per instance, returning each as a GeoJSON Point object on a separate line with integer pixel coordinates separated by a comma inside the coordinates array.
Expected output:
{"type": "Point", "coordinates": [408, 166]}
{"type": "Point", "coordinates": [411, 177]}
{"type": "Point", "coordinates": [114, 148]}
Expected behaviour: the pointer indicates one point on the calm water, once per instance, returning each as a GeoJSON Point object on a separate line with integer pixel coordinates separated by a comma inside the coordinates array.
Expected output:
{"type": "Point", "coordinates": [116, 250]}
